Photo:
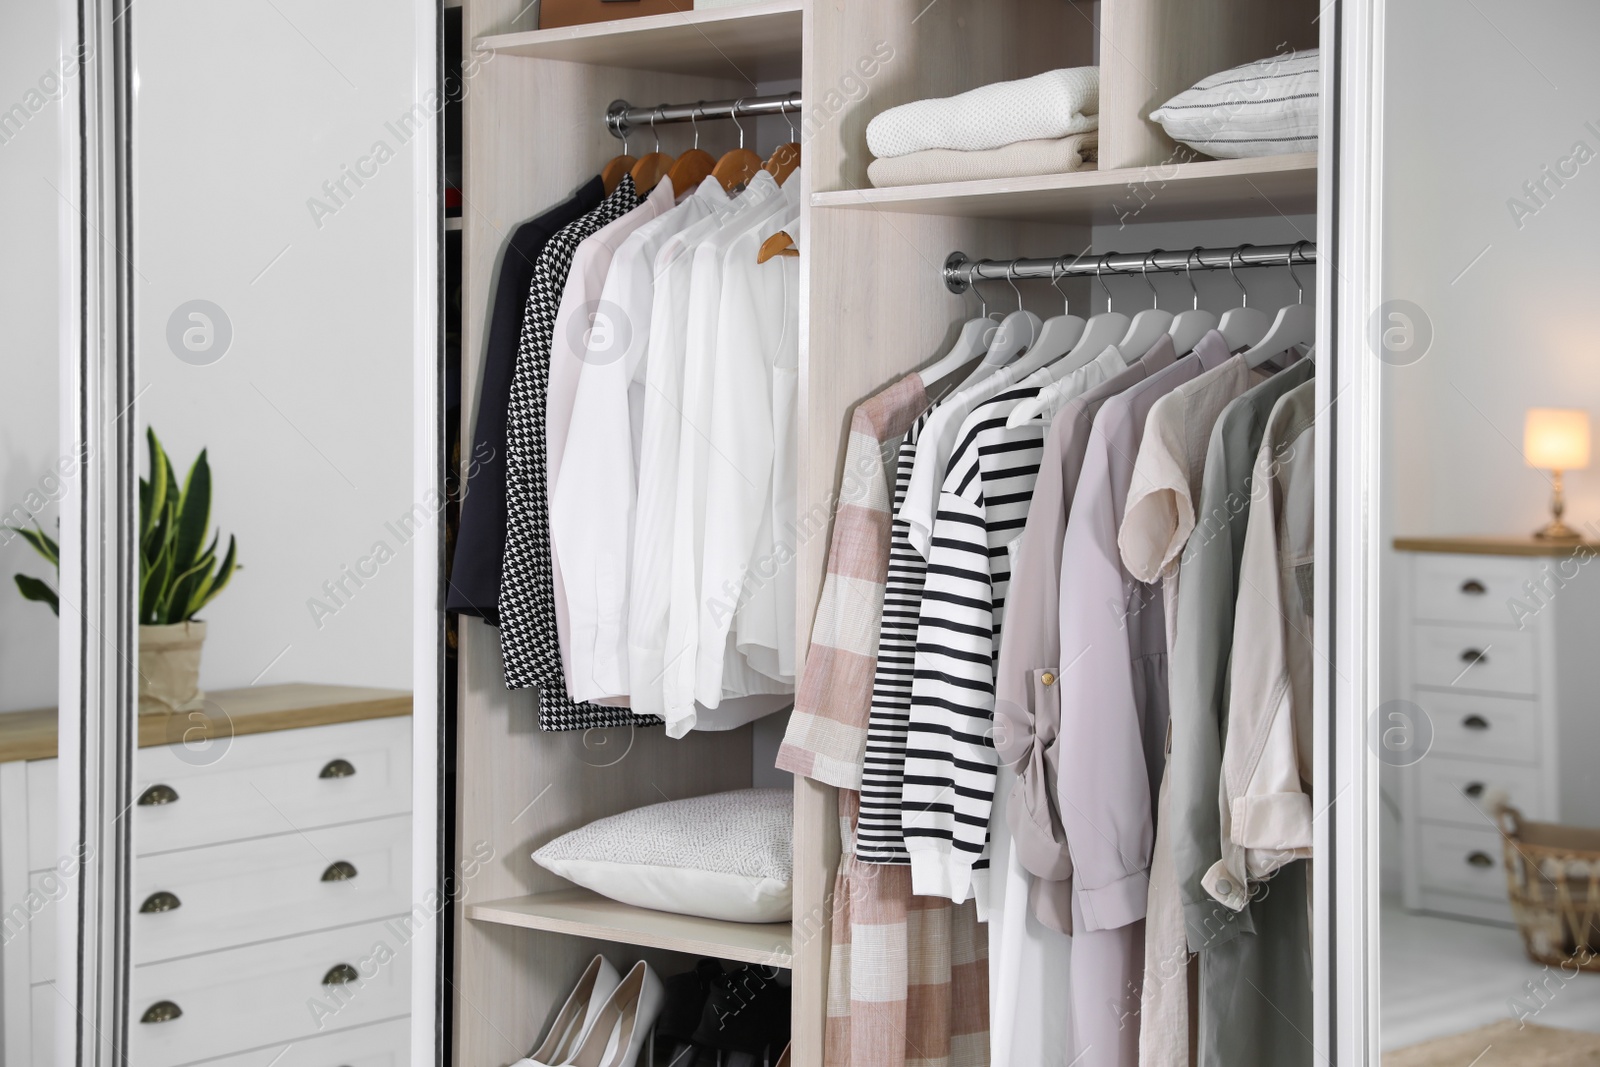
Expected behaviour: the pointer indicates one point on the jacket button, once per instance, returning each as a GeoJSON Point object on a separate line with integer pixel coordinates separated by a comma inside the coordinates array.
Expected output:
{"type": "Point", "coordinates": [1047, 678]}
{"type": "Point", "coordinates": [1225, 887]}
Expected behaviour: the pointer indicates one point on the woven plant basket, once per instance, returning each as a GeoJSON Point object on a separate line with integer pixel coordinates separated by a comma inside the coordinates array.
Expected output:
{"type": "Point", "coordinates": [1553, 875]}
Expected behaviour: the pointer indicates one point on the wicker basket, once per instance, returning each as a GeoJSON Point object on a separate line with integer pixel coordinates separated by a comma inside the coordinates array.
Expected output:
{"type": "Point", "coordinates": [1553, 874]}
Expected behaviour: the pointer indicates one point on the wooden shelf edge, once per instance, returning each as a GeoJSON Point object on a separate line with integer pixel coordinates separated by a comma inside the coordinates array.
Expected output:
{"type": "Point", "coordinates": [1491, 545]}
{"type": "Point", "coordinates": [535, 40]}
{"type": "Point", "coordinates": [581, 913]}
{"type": "Point", "coordinates": [1043, 189]}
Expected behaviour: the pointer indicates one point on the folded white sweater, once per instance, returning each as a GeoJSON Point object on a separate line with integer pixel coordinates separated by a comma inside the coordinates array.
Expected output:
{"type": "Point", "coordinates": [1021, 160]}
{"type": "Point", "coordinates": [1044, 107]}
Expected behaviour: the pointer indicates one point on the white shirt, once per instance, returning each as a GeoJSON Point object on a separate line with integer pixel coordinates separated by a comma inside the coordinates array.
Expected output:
{"type": "Point", "coordinates": [747, 577]}
{"type": "Point", "coordinates": [579, 298]}
{"type": "Point", "coordinates": [592, 505]}
{"type": "Point", "coordinates": [694, 450]}
{"type": "Point", "coordinates": [649, 594]}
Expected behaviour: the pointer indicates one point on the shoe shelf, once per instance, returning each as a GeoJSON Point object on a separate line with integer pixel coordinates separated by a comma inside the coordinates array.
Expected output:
{"type": "Point", "coordinates": [1213, 189]}
{"type": "Point", "coordinates": [581, 913]}
{"type": "Point", "coordinates": [760, 40]}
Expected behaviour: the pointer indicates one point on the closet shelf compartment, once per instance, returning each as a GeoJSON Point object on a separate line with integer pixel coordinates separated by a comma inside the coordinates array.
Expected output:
{"type": "Point", "coordinates": [1213, 189]}
{"type": "Point", "coordinates": [758, 41]}
{"type": "Point", "coordinates": [582, 913]}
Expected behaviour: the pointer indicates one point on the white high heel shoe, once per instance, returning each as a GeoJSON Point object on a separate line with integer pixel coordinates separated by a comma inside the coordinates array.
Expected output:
{"type": "Point", "coordinates": [576, 1017]}
{"type": "Point", "coordinates": [624, 1023]}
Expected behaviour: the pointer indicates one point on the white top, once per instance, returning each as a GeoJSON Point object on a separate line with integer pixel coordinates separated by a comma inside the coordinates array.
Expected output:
{"type": "Point", "coordinates": [1049, 105]}
{"type": "Point", "coordinates": [747, 578]}
{"type": "Point", "coordinates": [681, 648]}
{"type": "Point", "coordinates": [593, 530]}
{"type": "Point", "coordinates": [579, 298]}
{"type": "Point", "coordinates": [650, 585]}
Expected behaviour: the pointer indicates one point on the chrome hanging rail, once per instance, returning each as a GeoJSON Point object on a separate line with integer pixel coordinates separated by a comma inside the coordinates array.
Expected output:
{"type": "Point", "coordinates": [960, 272]}
{"type": "Point", "coordinates": [622, 116]}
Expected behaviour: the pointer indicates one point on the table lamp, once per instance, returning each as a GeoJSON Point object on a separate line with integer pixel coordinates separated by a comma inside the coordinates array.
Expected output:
{"type": "Point", "coordinates": [1556, 439]}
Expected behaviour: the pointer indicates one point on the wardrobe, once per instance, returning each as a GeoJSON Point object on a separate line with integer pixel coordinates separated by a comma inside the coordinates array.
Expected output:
{"type": "Point", "coordinates": [873, 306]}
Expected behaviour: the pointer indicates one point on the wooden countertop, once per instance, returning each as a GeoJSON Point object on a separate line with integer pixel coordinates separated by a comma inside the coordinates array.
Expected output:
{"type": "Point", "coordinates": [1493, 546]}
{"type": "Point", "coordinates": [227, 713]}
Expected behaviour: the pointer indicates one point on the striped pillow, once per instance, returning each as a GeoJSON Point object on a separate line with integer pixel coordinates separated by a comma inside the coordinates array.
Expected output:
{"type": "Point", "coordinates": [1265, 108]}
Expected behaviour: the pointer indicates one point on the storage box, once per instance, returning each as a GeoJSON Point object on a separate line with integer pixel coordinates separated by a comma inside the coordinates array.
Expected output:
{"type": "Point", "coordinates": [555, 13]}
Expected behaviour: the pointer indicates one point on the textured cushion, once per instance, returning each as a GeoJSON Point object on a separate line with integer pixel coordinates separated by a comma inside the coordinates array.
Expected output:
{"type": "Point", "coordinates": [1021, 160]}
{"type": "Point", "coordinates": [1265, 108]}
{"type": "Point", "coordinates": [724, 856]}
{"type": "Point", "coordinates": [1049, 105]}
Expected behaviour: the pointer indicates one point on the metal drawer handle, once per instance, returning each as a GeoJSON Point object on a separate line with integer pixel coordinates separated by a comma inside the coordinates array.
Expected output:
{"type": "Point", "coordinates": [1480, 859]}
{"type": "Point", "coordinates": [1474, 790]}
{"type": "Point", "coordinates": [1473, 587]}
{"type": "Point", "coordinates": [158, 902]}
{"type": "Point", "coordinates": [157, 795]}
{"type": "Point", "coordinates": [1475, 722]}
{"type": "Point", "coordinates": [341, 974]}
{"type": "Point", "coordinates": [338, 768]}
{"type": "Point", "coordinates": [1474, 656]}
{"type": "Point", "coordinates": [162, 1011]}
{"type": "Point", "coordinates": [339, 871]}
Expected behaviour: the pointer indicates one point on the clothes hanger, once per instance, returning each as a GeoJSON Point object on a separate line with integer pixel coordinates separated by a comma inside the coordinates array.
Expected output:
{"type": "Point", "coordinates": [738, 166]}
{"type": "Point", "coordinates": [1101, 332]}
{"type": "Point", "coordinates": [1189, 326]}
{"type": "Point", "coordinates": [1016, 333]}
{"type": "Point", "coordinates": [649, 170]}
{"type": "Point", "coordinates": [1295, 324]}
{"type": "Point", "coordinates": [611, 174]}
{"type": "Point", "coordinates": [1147, 326]}
{"type": "Point", "coordinates": [970, 343]}
{"type": "Point", "coordinates": [779, 244]}
{"type": "Point", "coordinates": [694, 166]}
{"type": "Point", "coordinates": [786, 159]}
{"type": "Point", "coordinates": [1244, 325]}
{"type": "Point", "coordinates": [1057, 337]}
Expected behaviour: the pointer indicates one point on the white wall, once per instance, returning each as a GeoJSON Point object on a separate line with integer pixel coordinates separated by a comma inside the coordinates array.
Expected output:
{"type": "Point", "coordinates": [1479, 99]}
{"type": "Point", "coordinates": [307, 417]}
{"type": "Point", "coordinates": [29, 207]}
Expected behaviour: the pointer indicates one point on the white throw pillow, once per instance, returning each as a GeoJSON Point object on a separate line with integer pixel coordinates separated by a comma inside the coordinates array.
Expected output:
{"type": "Point", "coordinates": [724, 856]}
{"type": "Point", "coordinates": [1265, 108]}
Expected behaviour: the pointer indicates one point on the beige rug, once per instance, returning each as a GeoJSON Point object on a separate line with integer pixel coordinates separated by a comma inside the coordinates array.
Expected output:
{"type": "Point", "coordinates": [1502, 1045]}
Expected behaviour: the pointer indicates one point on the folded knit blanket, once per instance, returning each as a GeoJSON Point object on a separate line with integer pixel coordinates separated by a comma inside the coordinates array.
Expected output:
{"type": "Point", "coordinates": [1044, 107]}
{"type": "Point", "coordinates": [1061, 155]}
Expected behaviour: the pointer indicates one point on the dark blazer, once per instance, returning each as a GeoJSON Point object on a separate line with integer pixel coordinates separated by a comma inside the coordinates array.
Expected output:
{"type": "Point", "coordinates": [474, 586]}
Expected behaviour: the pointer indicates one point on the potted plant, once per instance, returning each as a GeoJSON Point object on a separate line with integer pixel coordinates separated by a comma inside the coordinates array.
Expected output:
{"type": "Point", "coordinates": [179, 574]}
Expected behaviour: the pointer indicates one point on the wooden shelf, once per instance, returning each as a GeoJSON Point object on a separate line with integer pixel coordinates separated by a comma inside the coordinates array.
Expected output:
{"type": "Point", "coordinates": [1495, 546]}
{"type": "Point", "coordinates": [1216, 189]}
{"type": "Point", "coordinates": [757, 41]}
{"type": "Point", "coordinates": [582, 913]}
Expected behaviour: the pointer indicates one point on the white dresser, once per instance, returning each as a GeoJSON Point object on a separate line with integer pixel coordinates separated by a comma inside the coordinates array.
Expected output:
{"type": "Point", "coordinates": [1499, 647]}
{"type": "Point", "coordinates": [271, 888]}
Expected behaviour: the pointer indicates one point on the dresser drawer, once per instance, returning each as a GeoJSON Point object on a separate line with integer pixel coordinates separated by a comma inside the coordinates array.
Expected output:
{"type": "Point", "coordinates": [1450, 588]}
{"type": "Point", "coordinates": [248, 891]}
{"type": "Point", "coordinates": [381, 1045]}
{"type": "Point", "coordinates": [1451, 790]}
{"type": "Point", "coordinates": [273, 783]}
{"type": "Point", "coordinates": [1459, 860]}
{"type": "Point", "coordinates": [1480, 726]}
{"type": "Point", "coordinates": [267, 994]}
{"type": "Point", "coordinates": [1474, 657]}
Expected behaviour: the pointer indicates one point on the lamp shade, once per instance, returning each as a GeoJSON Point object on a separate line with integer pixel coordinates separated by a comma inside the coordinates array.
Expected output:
{"type": "Point", "coordinates": [1556, 438]}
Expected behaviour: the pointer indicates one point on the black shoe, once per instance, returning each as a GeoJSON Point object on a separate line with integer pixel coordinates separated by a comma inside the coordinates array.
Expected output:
{"type": "Point", "coordinates": [748, 1011]}
{"type": "Point", "coordinates": [685, 1003]}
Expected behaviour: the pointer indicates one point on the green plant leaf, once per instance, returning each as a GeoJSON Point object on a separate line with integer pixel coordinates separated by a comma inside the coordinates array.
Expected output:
{"type": "Point", "coordinates": [42, 543]}
{"type": "Point", "coordinates": [156, 507]}
{"type": "Point", "coordinates": [194, 513]}
{"type": "Point", "coordinates": [34, 589]}
{"type": "Point", "coordinates": [215, 583]}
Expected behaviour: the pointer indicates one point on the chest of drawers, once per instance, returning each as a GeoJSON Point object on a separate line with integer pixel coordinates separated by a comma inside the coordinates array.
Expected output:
{"type": "Point", "coordinates": [270, 886]}
{"type": "Point", "coordinates": [1499, 647]}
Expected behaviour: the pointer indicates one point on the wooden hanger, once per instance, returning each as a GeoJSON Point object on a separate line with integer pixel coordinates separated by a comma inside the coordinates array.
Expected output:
{"type": "Point", "coordinates": [648, 171]}
{"type": "Point", "coordinates": [738, 166]}
{"type": "Point", "coordinates": [611, 174]}
{"type": "Point", "coordinates": [693, 166]}
{"type": "Point", "coordinates": [786, 160]}
{"type": "Point", "coordinates": [779, 244]}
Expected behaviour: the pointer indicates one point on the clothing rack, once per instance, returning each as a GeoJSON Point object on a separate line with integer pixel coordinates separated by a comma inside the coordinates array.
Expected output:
{"type": "Point", "coordinates": [622, 116]}
{"type": "Point", "coordinates": [960, 272]}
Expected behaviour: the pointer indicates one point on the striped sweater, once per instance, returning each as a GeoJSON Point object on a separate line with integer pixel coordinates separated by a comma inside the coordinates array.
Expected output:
{"type": "Point", "coordinates": [878, 838]}
{"type": "Point", "coordinates": [950, 757]}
